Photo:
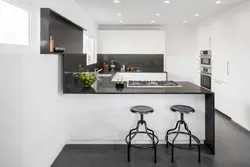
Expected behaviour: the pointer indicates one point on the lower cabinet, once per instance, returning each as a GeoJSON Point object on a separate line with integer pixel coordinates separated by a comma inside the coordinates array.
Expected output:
{"type": "Point", "coordinates": [223, 98]}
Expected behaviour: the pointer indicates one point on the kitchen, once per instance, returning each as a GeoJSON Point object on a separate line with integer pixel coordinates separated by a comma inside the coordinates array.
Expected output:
{"type": "Point", "coordinates": [131, 60]}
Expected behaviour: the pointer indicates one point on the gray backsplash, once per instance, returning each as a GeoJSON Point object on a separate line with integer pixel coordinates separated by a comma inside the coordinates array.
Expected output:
{"type": "Point", "coordinates": [143, 62]}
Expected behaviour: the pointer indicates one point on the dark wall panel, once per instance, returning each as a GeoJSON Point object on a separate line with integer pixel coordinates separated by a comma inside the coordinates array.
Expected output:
{"type": "Point", "coordinates": [143, 62]}
{"type": "Point", "coordinates": [74, 62]}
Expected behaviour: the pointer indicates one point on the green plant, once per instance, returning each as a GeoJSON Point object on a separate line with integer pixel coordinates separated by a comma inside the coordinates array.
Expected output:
{"type": "Point", "coordinates": [87, 79]}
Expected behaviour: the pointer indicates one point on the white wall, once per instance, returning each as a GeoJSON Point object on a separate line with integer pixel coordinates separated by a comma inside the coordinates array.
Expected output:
{"type": "Point", "coordinates": [182, 57]}
{"type": "Point", "coordinates": [131, 42]}
{"type": "Point", "coordinates": [32, 124]}
{"type": "Point", "coordinates": [230, 42]}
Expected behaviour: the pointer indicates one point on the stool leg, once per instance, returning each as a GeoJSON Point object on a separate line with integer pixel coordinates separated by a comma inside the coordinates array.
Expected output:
{"type": "Point", "coordinates": [172, 152]}
{"type": "Point", "coordinates": [166, 138]}
{"type": "Point", "coordinates": [189, 132]}
{"type": "Point", "coordinates": [199, 148]}
{"type": "Point", "coordinates": [146, 129]}
{"type": "Point", "coordinates": [199, 153]}
{"type": "Point", "coordinates": [155, 152]}
{"type": "Point", "coordinates": [178, 132]}
{"type": "Point", "coordinates": [128, 152]}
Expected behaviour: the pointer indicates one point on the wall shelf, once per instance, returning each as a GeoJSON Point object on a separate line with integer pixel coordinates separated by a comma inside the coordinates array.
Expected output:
{"type": "Point", "coordinates": [66, 34]}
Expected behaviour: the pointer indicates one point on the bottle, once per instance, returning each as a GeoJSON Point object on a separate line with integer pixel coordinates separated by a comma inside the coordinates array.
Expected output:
{"type": "Point", "coordinates": [51, 44]}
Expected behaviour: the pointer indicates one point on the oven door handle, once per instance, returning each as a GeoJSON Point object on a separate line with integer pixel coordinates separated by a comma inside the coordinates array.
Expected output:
{"type": "Point", "coordinates": [206, 74]}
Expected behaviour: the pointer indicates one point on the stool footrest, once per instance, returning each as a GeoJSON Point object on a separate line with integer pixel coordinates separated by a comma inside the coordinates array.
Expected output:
{"type": "Point", "coordinates": [155, 140]}
{"type": "Point", "coordinates": [150, 133]}
{"type": "Point", "coordinates": [185, 133]}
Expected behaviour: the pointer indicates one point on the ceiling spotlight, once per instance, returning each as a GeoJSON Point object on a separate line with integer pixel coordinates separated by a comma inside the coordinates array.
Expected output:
{"type": "Point", "coordinates": [121, 21]}
{"type": "Point", "coordinates": [116, 1]}
{"type": "Point", "coordinates": [184, 21]}
{"type": "Point", "coordinates": [158, 14]}
{"type": "Point", "coordinates": [167, 1]}
{"type": "Point", "coordinates": [197, 14]}
{"type": "Point", "coordinates": [218, 2]}
{"type": "Point", "coordinates": [152, 21]}
{"type": "Point", "coordinates": [119, 14]}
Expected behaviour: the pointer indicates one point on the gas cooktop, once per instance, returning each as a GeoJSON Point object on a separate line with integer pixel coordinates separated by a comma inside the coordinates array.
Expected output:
{"type": "Point", "coordinates": [153, 84]}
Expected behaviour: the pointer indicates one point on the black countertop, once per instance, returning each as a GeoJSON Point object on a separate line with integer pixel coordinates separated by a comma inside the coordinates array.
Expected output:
{"type": "Point", "coordinates": [106, 86]}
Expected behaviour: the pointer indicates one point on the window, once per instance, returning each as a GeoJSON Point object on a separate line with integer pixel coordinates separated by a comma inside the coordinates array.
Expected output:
{"type": "Point", "coordinates": [92, 51]}
{"type": "Point", "coordinates": [14, 24]}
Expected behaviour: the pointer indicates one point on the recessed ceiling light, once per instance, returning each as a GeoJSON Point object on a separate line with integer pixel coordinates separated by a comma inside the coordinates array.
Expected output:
{"type": "Point", "coordinates": [152, 21]}
{"type": "Point", "coordinates": [158, 14]}
{"type": "Point", "coordinates": [121, 21]}
{"type": "Point", "coordinates": [167, 1]}
{"type": "Point", "coordinates": [119, 14]}
{"type": "Point", "coordinates": [116, 1]}
{"type": "Point", "coordinates": [218, 2]}
{"type": "Point", "coordinates": [197, 14]}
{"type": "Point", "coordinates": [184, 21]}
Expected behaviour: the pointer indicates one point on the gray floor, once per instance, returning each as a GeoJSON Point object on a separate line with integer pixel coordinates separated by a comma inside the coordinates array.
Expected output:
{"type": "Point", "coordinates": [232, 150]}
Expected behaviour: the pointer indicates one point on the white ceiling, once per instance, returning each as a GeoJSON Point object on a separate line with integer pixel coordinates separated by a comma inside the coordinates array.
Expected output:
{"type": "Point", "coordinates": [136, 12]}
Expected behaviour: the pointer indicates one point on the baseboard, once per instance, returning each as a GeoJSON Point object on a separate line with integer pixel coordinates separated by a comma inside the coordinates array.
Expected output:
{"type": "Point", "coordinates": [60, 150]}
{"type": "Point", "coordinates": [110, 141]}
{"type": "Point", "coordinates": [222, 114]}
{"type": "Point", "coordinates": [244, 130]}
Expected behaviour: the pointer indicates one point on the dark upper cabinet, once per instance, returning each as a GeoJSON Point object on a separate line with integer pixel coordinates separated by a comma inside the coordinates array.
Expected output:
{"type": "Point", "coordinates": [65, 33]}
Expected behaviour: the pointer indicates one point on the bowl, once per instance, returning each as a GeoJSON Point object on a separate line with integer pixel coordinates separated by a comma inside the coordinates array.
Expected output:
{"type": "Point", "coordinates": [87, 79]}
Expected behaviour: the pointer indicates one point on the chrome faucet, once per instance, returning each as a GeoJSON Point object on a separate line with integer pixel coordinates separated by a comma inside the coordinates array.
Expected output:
{"type": "Point", "coordinates": [97, 71]}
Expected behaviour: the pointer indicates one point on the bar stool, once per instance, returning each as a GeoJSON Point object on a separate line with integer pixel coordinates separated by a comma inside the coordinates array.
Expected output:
{"type": "Point", "coordinates": [142, 110]}
{"type": "Point", "coordinates": [182, 109]}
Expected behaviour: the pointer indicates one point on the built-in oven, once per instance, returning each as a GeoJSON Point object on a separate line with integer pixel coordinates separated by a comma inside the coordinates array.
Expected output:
{"type": "Point", "coordinates": [205, 58]}
{"type": "Point", "coordinates": [206, 77]}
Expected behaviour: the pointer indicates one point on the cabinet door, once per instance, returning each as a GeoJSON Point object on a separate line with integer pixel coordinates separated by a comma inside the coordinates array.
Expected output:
{"type": "Point", "coordinates": [221, 45]}
{"type": "Point", "coordinates": [223, 98]}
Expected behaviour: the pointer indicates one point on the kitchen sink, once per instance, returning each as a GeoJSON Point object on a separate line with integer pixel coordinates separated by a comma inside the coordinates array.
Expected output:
{"type": "Point", "coordinates": [104, 75]}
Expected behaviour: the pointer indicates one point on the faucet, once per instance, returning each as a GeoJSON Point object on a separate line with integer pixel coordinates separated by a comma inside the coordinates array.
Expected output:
{"type": "Point", "coordinates": [97, 71]}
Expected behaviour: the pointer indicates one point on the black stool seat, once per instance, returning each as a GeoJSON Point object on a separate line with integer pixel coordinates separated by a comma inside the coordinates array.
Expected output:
{"type": "Point", "coordinates": [141, 109]}
{"type": "Point", "coordinates": [182, 109]}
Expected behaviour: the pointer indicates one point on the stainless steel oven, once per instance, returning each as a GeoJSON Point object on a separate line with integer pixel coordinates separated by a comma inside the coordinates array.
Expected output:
{"type": "Point", "coordinates": [206, 77]}
{"type": "Point", "coordinates": [206, 80]}
{"type": "Point", "coordinates": [205, 58]}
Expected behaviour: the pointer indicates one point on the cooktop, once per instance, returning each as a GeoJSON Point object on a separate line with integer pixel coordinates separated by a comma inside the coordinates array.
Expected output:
{"type": "Point", "coordinates": [153, 84]}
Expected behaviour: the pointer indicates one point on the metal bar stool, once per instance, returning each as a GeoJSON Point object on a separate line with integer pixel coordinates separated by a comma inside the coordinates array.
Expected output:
{"type": "Point", "coordinates": [142, 110]}
{"type": "Point", "coordinates": [182, 109]}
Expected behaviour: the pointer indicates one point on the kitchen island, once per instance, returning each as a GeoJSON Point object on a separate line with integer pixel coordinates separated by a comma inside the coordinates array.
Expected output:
{"type": "Point", "coordinates": [105, 109]}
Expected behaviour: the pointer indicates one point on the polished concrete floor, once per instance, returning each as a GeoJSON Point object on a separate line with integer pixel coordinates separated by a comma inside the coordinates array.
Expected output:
{"type": "Point", "coordinates": [232, 150]}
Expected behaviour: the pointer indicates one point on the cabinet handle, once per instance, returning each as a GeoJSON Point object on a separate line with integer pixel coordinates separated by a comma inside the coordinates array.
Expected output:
{"type": "Point", "coordinates": [228, 68]}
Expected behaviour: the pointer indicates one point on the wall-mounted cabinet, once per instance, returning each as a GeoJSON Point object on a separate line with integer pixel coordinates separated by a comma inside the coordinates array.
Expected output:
{"type": "Point", "coordinates": [58, 31]}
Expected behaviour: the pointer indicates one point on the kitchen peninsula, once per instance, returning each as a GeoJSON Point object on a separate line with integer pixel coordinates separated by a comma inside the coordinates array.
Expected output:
{"type": "Point", "coordinates": [105, 108]}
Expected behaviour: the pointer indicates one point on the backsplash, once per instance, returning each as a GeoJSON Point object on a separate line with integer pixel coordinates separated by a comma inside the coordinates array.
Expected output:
{"type": "Point", "coordinates": [142, 62]}
{"type": "Point", "coordinates": [74, 62]}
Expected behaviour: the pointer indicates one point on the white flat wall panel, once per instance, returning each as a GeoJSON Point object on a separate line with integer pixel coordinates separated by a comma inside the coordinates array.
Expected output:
{"type": "Point", "coordinates": [230, 44]}
{"type": "Point", "coordinates": [32, 123]}
{"type": "Point", "coordinates": [182, 56]}
{"type": "Point", "coordinates": [131, 42]}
